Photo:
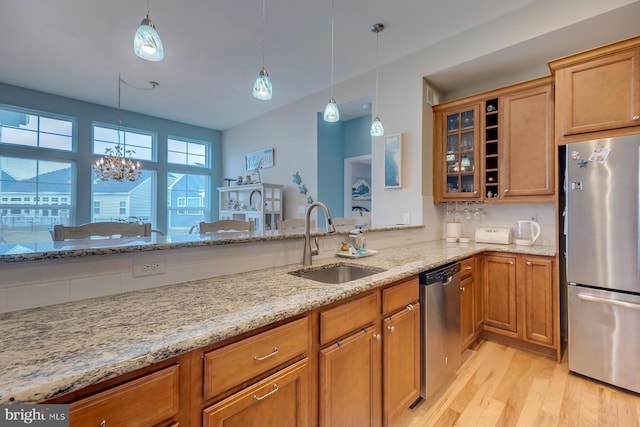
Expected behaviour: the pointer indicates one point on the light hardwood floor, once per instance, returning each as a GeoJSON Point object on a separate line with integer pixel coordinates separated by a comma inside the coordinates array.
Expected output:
{"type": "Point", "coordinates": [499, 385]}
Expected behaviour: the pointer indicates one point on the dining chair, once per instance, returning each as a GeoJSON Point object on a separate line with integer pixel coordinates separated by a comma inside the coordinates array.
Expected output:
{"type": "Point", "coordinates": [226, 225]}
{"type": "Point", "coordinates": [100, 229]}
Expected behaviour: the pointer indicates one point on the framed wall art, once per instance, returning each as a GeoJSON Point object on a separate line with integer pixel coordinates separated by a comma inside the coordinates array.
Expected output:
{"type": "Point", "coordinates": [259, 159]}
{"type": "Point", "coordinates": [393, 161]}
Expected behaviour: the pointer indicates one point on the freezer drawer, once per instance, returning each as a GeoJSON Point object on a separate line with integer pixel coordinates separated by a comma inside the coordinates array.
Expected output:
{"type": "Point", "coordinates": [604, 343]}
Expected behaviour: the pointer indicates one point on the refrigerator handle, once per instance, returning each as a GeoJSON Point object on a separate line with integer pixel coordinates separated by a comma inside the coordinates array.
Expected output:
{"type": "Point", "coordinates": [623, 304]}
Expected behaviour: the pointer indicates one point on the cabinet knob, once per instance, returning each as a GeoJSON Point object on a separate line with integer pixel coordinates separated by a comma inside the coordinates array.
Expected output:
{"type": "Point", "coordinates": [636, 118]}
{"type": "Point", "coordinates": [462, 288]}
{"type": "Point", "coordinates": [475, 192]}
{"type": "Point", "coordinates": [391, 328]}
{"type": "Point", "coordinates": [103, 423]}
{"type": "Point", "coordinates": [409, 307]}
{"type": "Point", "coordinates": [506, 190]}
{"type": "Point", "coordinates": [377, 336]}
{"type": "Point", "coordinates": [528, 262]}
{"type": "Point", "coordinates": [510, 262]}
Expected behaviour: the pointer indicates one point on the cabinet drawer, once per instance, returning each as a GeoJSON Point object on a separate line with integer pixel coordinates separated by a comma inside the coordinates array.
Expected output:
{"type": "Point", "coordinates": [399, 296]}
{"type": "Point", "coordinates": [347, 317]}
{"type": "Point", "coordinates": [236, 363]}
{"type": "Point", "coordinates": [467, 267]}
{"type": "Point", "coordinates": [142, 402]}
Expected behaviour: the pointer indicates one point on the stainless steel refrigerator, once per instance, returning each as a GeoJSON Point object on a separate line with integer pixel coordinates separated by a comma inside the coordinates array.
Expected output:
{"type": "Point", "coordinates": [603, 264]}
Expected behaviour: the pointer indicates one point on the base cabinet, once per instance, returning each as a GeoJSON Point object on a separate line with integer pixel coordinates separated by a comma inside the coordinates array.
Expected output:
{"type": "Point", "coordinates": [400, 349]}
{"type": "Point", "coordinates": [281, 400]}
{"type": "Point", "coordinates": [470, 303]}
{"type": "Point", "coordinates": [521, 300]}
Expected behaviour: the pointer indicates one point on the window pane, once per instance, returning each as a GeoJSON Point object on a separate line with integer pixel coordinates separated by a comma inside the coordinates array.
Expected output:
{"type": "Point", "coordinates": [124, 201]}
{"type": "Point", "coordinates": [139, 144]}
{"type": "Point", "coordinates": [188, 201]}
{"type": "Point", "coordinates": [26, 182]}
{"type": "Point", "coordinates": [35, 131]}
{"type": "Point", "coordinates": [192, 153]}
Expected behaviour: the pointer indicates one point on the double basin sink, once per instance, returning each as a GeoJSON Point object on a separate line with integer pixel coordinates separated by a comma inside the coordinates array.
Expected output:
{"type": "Point", "coordinates": [337, 274]}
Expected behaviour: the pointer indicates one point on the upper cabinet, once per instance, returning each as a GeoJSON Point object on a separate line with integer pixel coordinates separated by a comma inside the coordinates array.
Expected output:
{"type": "Point", "coordinates": [497, 146]}
{"type": "Point", "coordinates": [457, 152]}
{"type": "Point", "coordinates": [598, 92]}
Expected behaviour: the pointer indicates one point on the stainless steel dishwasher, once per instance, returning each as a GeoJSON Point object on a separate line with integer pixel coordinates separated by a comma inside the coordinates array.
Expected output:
{"type": "Point", "coordinates": [440, 316]}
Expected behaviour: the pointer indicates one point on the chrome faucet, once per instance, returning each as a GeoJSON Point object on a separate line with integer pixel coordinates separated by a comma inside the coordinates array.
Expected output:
{"type": "Point", "coordinates": [308, 251]}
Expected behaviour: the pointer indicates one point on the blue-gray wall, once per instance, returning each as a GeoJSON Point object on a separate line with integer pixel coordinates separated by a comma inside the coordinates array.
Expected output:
{"type": "Point", "coordinates": [86, 113]}
{"type": "Point", "coordinates": [337, 141]}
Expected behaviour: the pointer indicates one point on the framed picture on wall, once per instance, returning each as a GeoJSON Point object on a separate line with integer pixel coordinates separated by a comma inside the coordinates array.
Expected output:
{"type": "Point", "coordinates": [393, 161]}
{"type": "Point", "coordinates": [259, 159]}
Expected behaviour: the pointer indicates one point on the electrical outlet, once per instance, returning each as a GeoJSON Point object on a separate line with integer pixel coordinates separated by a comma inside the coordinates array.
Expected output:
{"type": "Point", "coordinates": [149, 266]}
{"type": "Point", "coordinates": [406, 218]}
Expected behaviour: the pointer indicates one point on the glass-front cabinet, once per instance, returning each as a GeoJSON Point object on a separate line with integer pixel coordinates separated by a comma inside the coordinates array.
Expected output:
{"type": "Point", "coordinates": [460, 153]}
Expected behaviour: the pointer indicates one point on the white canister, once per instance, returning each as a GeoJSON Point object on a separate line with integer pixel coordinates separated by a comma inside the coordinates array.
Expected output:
{"type": "Point", "coordinates": [454, 229]}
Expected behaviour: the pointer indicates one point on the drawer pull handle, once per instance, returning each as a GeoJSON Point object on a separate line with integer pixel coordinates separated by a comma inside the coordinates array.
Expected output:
{"type": "Point", "coordinates": [275, 388]}
{"type": "Point", "coordinates": [468, 267]}
{"type": "Point", "coordinates": [103, 423]}
{"type": "Point", "coordinates": [391, 328]}
{"type": "Point", "coordinates": [273, 353]}
{"type": "Point", "coordinates": [409, 307]}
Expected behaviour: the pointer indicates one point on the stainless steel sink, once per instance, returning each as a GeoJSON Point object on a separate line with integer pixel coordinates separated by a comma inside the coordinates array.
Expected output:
{"type": "Point", "coordinates": [336, 274]}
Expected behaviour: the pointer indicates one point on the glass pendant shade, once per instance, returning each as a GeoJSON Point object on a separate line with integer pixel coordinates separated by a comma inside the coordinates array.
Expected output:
{"type": "Point", "coordinates": [331, 111]}
{"type": "Point", "coordinates": [376, 127]}
{"type": "Point", "coordinates": [146, 43]}
{"type": "Point", "coordinates": [262, 87]}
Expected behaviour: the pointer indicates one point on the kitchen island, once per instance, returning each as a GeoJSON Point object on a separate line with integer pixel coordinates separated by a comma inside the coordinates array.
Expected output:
{"type": "Point", "coordinates": [50, 351]}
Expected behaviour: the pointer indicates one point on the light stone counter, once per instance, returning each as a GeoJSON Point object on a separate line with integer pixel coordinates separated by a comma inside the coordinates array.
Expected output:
{"type": "Point", "coordinates": [52, 350]}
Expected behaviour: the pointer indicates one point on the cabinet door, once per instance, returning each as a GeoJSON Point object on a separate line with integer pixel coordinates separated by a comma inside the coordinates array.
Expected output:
{"type": "Point", "coordinates": [599, 94]}
{"type": "Point", "coordinates": [527, 160]}
{"type": "Point", "coordinates": [499, 283]}
{"type": "Point", "coordinates": [281, 400]}
{"type": "Point", "coordinates": [401, 356]}
{"type": "Point", "coordinates": [456, 153]}
{"type": "Point", "coordinates": [350, 381]}
{"type": "Point", "coordinates": [467, 327]}
{"type": "Point", "coordinates": [538, 300]}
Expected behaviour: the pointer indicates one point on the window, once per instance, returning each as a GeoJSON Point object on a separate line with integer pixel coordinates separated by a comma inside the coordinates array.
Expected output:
{"type": "Point", "coordinates": [31, 130]}
{"type": "Point", "coordinates": [28, 179]}
{"type": "Point", "coordinates": [137, 143]}
{"type": "Point", "coordinates": [188, 201]}
{"type": "Point", "coordinates": [120, 200]}
{"type": "Point", "coordinates": [96, 207]}
{"type": "Point", "coordinates": [183, 152]}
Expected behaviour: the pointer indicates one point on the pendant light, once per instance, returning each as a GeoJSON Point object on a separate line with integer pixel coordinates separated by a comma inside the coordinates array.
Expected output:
{"type": "Point", "coordinates": [331, 111]}
{"type": "Point", "coordinates": [262, 87]}
{"type": "Point", "coordinates": [376, 127]}
{"type": "Point", "coordinates": [146, 43]}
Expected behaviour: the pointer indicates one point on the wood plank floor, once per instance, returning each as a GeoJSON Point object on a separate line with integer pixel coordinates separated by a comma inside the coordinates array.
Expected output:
{"type": "Point", "coordinates": [499, 385]}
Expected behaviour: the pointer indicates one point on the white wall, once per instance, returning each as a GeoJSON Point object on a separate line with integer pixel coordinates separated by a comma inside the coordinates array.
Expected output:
{"type": "Point", "coordinates": [291, 130]}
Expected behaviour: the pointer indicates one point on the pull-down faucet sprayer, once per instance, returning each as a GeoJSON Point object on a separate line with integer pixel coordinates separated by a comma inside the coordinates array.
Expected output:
{"type": "Point", "coordinates": [308, 251]}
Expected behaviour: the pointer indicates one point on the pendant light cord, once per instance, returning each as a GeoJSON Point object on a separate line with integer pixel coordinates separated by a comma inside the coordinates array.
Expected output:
{"type": "Point", "coordinates": [332, 48]}
{"type": "Point", "coordinates": [377, 70]}
{"type": "Point", "coordinates": [263, 29]}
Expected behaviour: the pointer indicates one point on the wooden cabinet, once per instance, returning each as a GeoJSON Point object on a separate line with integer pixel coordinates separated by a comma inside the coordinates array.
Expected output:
{"type": "Point", "coordinates": [153, 399]}
{"type": "Point", "coordinates": [507, 154]}
{"type": "Point", "coordinates": [470, 303]}
{"type": "Point", "coordinates": [400, 348]}
{"type": "Point", "coordinates": [456, 153]}
{"type": "Point", "coordinates": [598, 91]}
{"type": "Point", "coordinates": [499, 279]}
{"type": "Point", "coordinates": [349, 364]}
{"type": "Point", "coordinates": [521, 300]}
{"type": "Point", "coordinates": [538, 300]}
{"type": "Point", "coordinates": [279, 400]}
{"type": "Point", "coordinates": [527, 146]}
{"type": "Point", "coordinates": [260, 203]}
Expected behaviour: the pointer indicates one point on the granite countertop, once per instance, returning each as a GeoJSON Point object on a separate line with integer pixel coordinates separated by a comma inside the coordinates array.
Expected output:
{"type": "Point", "coordinates": [53, 350]}
{"type": "Point", "coordinates": [40, 251]}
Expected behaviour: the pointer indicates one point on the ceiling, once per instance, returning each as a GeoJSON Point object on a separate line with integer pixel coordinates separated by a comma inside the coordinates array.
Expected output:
{"type": "Point", "coordinates": [77, 48]}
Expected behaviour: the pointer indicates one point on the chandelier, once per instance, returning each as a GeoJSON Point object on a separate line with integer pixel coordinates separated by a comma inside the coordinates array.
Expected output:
{"type": "Point", "coordinates": [117, 163]}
